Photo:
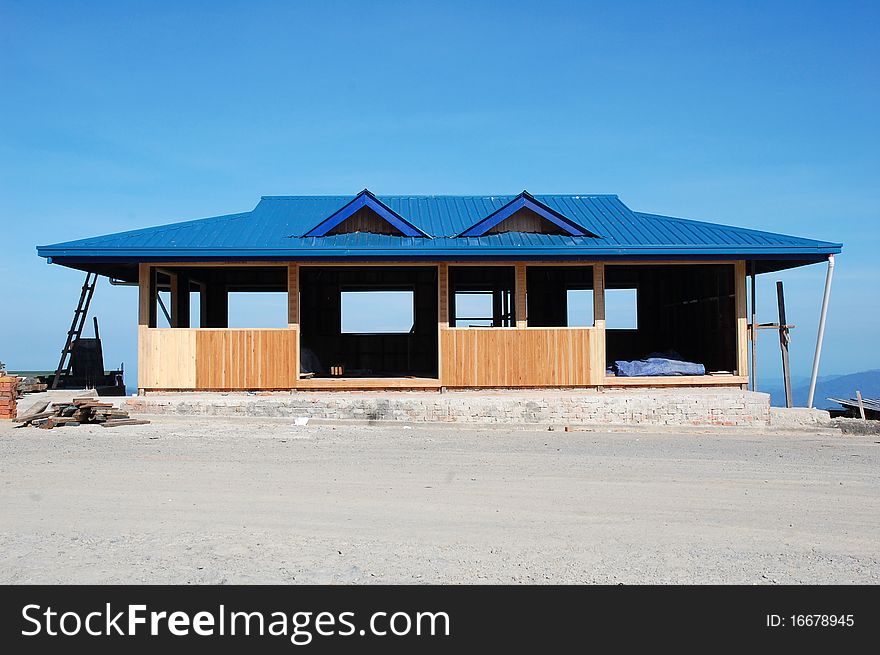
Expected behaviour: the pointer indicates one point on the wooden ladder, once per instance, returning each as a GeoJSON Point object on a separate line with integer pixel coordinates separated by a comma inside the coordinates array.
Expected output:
{"type": "Point", "coordinates": [76, 327]}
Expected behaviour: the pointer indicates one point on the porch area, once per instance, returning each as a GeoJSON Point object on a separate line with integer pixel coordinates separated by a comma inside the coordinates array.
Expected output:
{"type": "Point", "coordinates": [457, 325]}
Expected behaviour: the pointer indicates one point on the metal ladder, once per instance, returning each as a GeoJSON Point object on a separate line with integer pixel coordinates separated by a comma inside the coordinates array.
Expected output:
{"type": "Point", "coordinates": [76, 327]}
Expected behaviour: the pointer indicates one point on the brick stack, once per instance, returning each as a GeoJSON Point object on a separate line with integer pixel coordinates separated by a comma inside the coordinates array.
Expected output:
{"type": "Point", "coordinates": [8, 390]}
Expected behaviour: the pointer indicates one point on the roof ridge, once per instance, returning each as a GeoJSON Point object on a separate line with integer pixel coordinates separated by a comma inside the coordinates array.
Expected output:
{"type": "Point", "coordinates": [447, 195]}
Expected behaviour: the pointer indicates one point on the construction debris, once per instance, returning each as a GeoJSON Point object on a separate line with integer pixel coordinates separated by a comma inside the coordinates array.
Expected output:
{"type": "Point", "coordinates": [30, 385]}
{"type": "Point", "coordinates": [8, 395]}
{"type": "Point", "coordinates": [79, 411]}
{"type": "Point", "coordinates": [866, 408]}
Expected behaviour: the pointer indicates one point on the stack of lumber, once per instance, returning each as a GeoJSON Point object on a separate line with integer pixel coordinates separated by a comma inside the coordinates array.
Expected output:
{"type": "Point", "coordinates": [76, 412]}
{"type": "Point", "coordinates": [8, 393]}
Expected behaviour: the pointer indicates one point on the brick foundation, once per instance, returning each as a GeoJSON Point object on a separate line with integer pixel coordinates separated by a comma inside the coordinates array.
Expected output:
{"type": "Point", "coordinates": [656, 407]}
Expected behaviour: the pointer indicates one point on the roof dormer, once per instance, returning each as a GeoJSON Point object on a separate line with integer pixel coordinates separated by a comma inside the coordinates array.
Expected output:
{"type": "Point", "coordinates": [526, 214]}
{"type": "Point", "coordinates": [366, 213]}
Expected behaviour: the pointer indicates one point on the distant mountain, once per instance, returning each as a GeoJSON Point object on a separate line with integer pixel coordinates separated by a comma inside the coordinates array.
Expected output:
{"type": "Point", "coordinates": [835, 386]}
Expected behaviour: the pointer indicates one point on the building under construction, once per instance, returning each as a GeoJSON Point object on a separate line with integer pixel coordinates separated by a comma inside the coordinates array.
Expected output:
{"type": "Point", "coordinates": [487, 291]}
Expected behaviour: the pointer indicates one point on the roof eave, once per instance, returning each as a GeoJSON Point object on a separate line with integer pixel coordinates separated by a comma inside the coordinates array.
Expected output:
{"type": "Point", "coordinates": [260, 253]}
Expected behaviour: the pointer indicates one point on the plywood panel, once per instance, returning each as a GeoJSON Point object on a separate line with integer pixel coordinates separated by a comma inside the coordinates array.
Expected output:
{"type": "Point", "coordinates": [513, 357]}
{"type": "Point", "coordinates": [365, 220]}
{"type": "Point", "coordinates": [166, 358]}
{"type": "Point", "coordinates": [246, 359]}
{"type": "Point", "coordinates": [525, 220]}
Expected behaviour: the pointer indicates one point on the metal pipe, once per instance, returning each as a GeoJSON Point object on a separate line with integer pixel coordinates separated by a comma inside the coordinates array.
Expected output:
{"type": "Point", "coordinates": [821, 334]}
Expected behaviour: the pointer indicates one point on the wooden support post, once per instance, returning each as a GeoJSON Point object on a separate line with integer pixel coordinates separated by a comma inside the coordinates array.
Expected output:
{"type": "Point", "coordinates": [861, 405]}
{"type": "Point", "coordinates": [293, 316]}
{"type": "Point", "coordinates": [742, 320]}
{"type": "Point", "coordinates": [442, 313]}
{"type": "Point", "coordinates": [753, 333]}
{"type": "Point", "coordinates": [598, 355]}
{"type": "Point", "coordinates": [146, 295]}
{"type": "Point", "coordinates": [519, 303]}
{"type": "Point", "coordinates": [293, 295]}
{"type": "Point", "coordinates": [784, 339]}
{"type": "Point", "coordinates": [443, 295]}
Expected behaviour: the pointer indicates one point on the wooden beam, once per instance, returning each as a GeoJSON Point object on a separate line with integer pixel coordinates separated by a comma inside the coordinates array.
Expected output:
{"type": "Point", "coordinates": [293, 295]}
{"type": "Point", "coordinates": [394, 263]}
{"type": "Point", "coordinates": [442, 311]}
{"type": "Point", "coordinates": [598, 354]}
{"type": "Point", "coordinates": [784, 338]}
{"type": "Point", "coordinates": [443, 295]}
{"type": "Point", "coordinates": [293, 319]}
{"type": "Point", "coordinates": [753, 333]}
{"type": "Point", "coordinates": [146, 295]}
{"type": "Point", "coordinates": [519, 302]}
{"type": "Point", "coordinates": [742, 322]}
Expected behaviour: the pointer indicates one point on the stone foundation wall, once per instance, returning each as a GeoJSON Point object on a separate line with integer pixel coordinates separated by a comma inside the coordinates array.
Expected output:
{"type": "Point", "coordinates": [673, 407]}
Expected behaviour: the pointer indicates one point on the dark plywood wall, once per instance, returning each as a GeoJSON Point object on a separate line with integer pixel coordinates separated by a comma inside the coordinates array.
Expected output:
{"type": "Point", "coordinates": [689, 309]}
{"type": "Point", "coordinates": [382, 354]}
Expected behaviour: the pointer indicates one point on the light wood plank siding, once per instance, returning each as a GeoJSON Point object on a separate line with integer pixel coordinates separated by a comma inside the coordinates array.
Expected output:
{"type": "Point", "coordinates": [246, 359]}
{"type": "Point", "coordinates": [166, 358]}
{"type": "Point", "coordinates": [217, 358]}
{"type": "Point", "coordinates": [512, 357]}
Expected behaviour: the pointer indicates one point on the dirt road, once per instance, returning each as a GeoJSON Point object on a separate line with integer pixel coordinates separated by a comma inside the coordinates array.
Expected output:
{"type": "Point", "coordinates": [201, 501]}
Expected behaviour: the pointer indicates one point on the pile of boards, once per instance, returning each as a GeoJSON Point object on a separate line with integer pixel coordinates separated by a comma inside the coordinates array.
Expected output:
{"type": "Point", "coordinates": [78, 411]}
{"type": "Point", "coordinates": [8, 394]}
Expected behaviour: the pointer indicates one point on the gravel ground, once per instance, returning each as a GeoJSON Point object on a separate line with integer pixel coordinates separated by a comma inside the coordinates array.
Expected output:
{"type": "Point", "coordinates": [264, 501]}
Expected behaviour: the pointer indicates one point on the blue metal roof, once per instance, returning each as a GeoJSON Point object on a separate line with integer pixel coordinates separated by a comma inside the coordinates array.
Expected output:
{"type": "Point", "coordinates": [274, 229]}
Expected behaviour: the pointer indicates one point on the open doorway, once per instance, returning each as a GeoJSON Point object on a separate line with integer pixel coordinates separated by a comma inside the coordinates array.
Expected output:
{"type": "Point", "coordinates": [365, 322]}
{"type": "Point", "coordinates": [682, 316]}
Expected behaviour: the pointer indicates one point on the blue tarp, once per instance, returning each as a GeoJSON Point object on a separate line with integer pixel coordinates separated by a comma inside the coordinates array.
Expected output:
{"type": "Point", "coordinates": [657, 366]}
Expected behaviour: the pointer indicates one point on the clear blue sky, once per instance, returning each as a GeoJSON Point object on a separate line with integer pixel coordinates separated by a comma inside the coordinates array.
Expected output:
{"type": "Point", "coordinates": [121, 115]}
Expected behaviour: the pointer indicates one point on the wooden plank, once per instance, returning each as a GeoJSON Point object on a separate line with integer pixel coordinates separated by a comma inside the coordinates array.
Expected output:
{"type": "Point", "coordinates": [519, 302]}
{"type": "Point", "coordinates": [513, 357]}
{"type": "Point", "coordinates": [115, 423]}
{"type": "Point", "coordinates": [742, 322]}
